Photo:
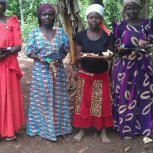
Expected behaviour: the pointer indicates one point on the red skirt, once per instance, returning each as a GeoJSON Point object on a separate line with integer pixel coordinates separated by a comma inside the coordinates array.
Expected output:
{"type": "Point", "coordinates": [93, 101]}
{"type": "Point", "coordinates": [11, 108]}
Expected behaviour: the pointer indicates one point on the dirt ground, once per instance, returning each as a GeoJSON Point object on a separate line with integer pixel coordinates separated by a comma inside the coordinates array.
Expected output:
{"type": "Point", "coordinates": [89, 144]}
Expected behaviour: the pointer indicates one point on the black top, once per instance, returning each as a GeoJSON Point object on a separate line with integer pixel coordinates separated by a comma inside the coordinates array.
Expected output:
{"type": "Point", "coordinates": [96, 47]}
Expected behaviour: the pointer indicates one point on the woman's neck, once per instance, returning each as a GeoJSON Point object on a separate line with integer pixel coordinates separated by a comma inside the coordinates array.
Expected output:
{"type": "Point", "coordinates": [96, 30]}
{"type": "Point", "coordinates": [94, 34]}
{"type": "Point", "coordinates": [46, 28]}
{"type": "Point", "coordinates": [136, 21]}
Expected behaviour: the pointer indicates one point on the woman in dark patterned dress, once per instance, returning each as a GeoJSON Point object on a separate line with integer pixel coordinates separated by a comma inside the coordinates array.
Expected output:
{"type": "Point", "coordinates": [93, 104]}
{"type": "Point", "coordinates": [133, 73]}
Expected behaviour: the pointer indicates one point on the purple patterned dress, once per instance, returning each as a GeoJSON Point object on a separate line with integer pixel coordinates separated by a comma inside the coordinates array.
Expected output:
{"type": "Point", "coordinates": [132, 80]}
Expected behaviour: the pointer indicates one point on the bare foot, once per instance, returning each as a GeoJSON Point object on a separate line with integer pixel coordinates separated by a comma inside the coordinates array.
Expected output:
{"type": "Point", "coordinates": [95, 134]}
{"type": "Point", "coordinates": [66, 137]}
{"type": "Point", "coordinates": [79, 135]}
{"type": "Point", "coordinates": [104, 137]}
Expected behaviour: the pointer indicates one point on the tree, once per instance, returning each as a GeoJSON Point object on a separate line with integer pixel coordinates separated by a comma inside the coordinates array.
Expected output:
{"type": "Point", "coordinates": [21, 12]}
{"type": "Point", "coordinates": [69, 12]}
{"type": "Point", "coordinates": [26, 11]}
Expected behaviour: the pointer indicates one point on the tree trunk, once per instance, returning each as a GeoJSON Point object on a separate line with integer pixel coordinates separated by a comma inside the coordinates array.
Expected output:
{"type": "Point", "coordinates": [69, 12]}
{"type": "Point", "coordinates": [21, 12]}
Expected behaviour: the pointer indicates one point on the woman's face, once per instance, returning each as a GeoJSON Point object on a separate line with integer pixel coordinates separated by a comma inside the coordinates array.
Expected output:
{"type": "Point", "coordinates": [94, 20]}
{"type": "Point", "coordinates": [2, 8]}
{"type": "Point", "coordinates": [132, 10]}
{"type": "Point", "coordinates": [47, 18]}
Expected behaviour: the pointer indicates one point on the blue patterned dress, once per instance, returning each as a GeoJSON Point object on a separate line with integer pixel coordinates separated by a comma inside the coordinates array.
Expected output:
{"type": "Point", "coordinates": [48, 113]}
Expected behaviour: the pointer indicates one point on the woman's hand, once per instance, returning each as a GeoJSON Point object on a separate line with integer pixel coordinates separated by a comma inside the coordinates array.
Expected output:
{"type": "Point", "coordinates": [120, 49]}
{"type": "Point", "coordinates": [143, 43]}
{"type": "Point", "coordinates": [35, 57]}
{"type": "Point", "coordinates": [4, 55]}
{"type": "Point", "coordinates": [107, 58]}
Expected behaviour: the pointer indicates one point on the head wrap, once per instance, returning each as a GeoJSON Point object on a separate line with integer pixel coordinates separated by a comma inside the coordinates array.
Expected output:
{"type": "Point", "coordinates": [142, 5]}
{"type": "Point", "coordinates": [45, 7]}
{"type": "Point", "coordinates": [95, 8]}
{"type": "Point", "coordinates": [125, 2]}
{"type": "Point", "coordinates": [3, 1]}
{"type": "Point", "coordinates": [100, 10]}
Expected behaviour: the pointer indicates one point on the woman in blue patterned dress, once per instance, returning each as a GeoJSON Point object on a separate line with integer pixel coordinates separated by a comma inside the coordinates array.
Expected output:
{"type": "Point", "coordinates": [133, 73]}
{"type": "Point", "coordinates": [48, 114]}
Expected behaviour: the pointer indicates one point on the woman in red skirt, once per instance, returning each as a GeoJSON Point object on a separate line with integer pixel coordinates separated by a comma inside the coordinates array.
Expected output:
{"type": "Point", "coordinates": [93, 99]}
{"type": "Point", "coordinates": [11, 107]}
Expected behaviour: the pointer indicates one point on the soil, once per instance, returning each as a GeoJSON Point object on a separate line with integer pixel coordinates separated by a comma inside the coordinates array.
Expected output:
{"type": "Point", "coordinates": [89, 144]}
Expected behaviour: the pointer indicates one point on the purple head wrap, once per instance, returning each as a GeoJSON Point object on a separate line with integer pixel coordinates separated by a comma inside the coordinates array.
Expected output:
{"type": "Point", "coordinates": [45, 7]}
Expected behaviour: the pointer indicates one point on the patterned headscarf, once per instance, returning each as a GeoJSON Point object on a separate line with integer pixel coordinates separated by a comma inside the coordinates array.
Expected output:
{"type": "Point", "coordinates": [45, 7]}
{"type": "Point", "coordinates": [42, 8]}
{"type": "Point", "coordinates": [125, 2]}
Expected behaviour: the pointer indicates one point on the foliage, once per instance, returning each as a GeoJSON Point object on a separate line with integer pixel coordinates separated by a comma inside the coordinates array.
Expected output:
{"type": "Point", "coordinates": [112, 6]}
{"type": "Point", "coordinates": [151, 9]}
{"type": "Point", "coordinates": [13, 8]}
{"type": "Point", "coordinates": [27, 27]}
{"type": "Point", "coordinates": [29, 8]}
{"type": "Point", "coordinates": [83, 4]}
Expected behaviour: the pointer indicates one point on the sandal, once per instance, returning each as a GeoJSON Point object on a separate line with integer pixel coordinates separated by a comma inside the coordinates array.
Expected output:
{"type": "Point", "coordinates": [10, 138]}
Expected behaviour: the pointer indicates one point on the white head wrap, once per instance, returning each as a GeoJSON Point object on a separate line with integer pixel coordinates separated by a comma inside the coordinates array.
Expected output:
{"type": "Point", "coordinates": [125, 2]}
{"type": "Point", "coordinates": [95, 8]}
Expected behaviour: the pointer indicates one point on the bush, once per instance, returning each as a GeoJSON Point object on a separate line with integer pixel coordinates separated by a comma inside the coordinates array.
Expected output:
{"type": "Point", "coordinates": [112, 6]}
{"type": "Point", "coordinates": [27, 27]}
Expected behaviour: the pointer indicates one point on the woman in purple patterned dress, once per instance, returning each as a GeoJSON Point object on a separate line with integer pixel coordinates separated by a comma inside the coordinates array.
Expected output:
{"type": "Point", "coordinates": [132, 73]}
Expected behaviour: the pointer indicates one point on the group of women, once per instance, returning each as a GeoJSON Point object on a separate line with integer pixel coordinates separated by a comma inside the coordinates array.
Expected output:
{"type": "Point", "coordinates": [126, 104]}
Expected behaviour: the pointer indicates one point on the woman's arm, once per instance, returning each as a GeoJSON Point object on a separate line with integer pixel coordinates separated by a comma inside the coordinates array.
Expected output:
{"type": "Point", "coordinates": [31, 46]}
{"type": "Point", "coordinates": [110, 47]}
{"type": "Point", "coordinates": [8, 51]}
{"type": "Point", "coordinates": [111, 43]}
{"type": "Point", "coordinates": [15, 49]}
{"type": "Point", "coordinates": [4, 55]}
{"type": "Point", "coordinates": [78, 51]}
{"type": "Point", "coordinates": [34, 56]}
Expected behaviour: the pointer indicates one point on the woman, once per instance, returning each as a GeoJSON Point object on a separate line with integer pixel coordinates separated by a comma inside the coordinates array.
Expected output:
{"type": "Point", "coordinates": [11, 108]}
{"type": "Point", "coordinates": [48, 114]}
{"type": "Point", "coordinates": [93, 104]}
{"type": "Point", "coordinates": [133, 73]}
